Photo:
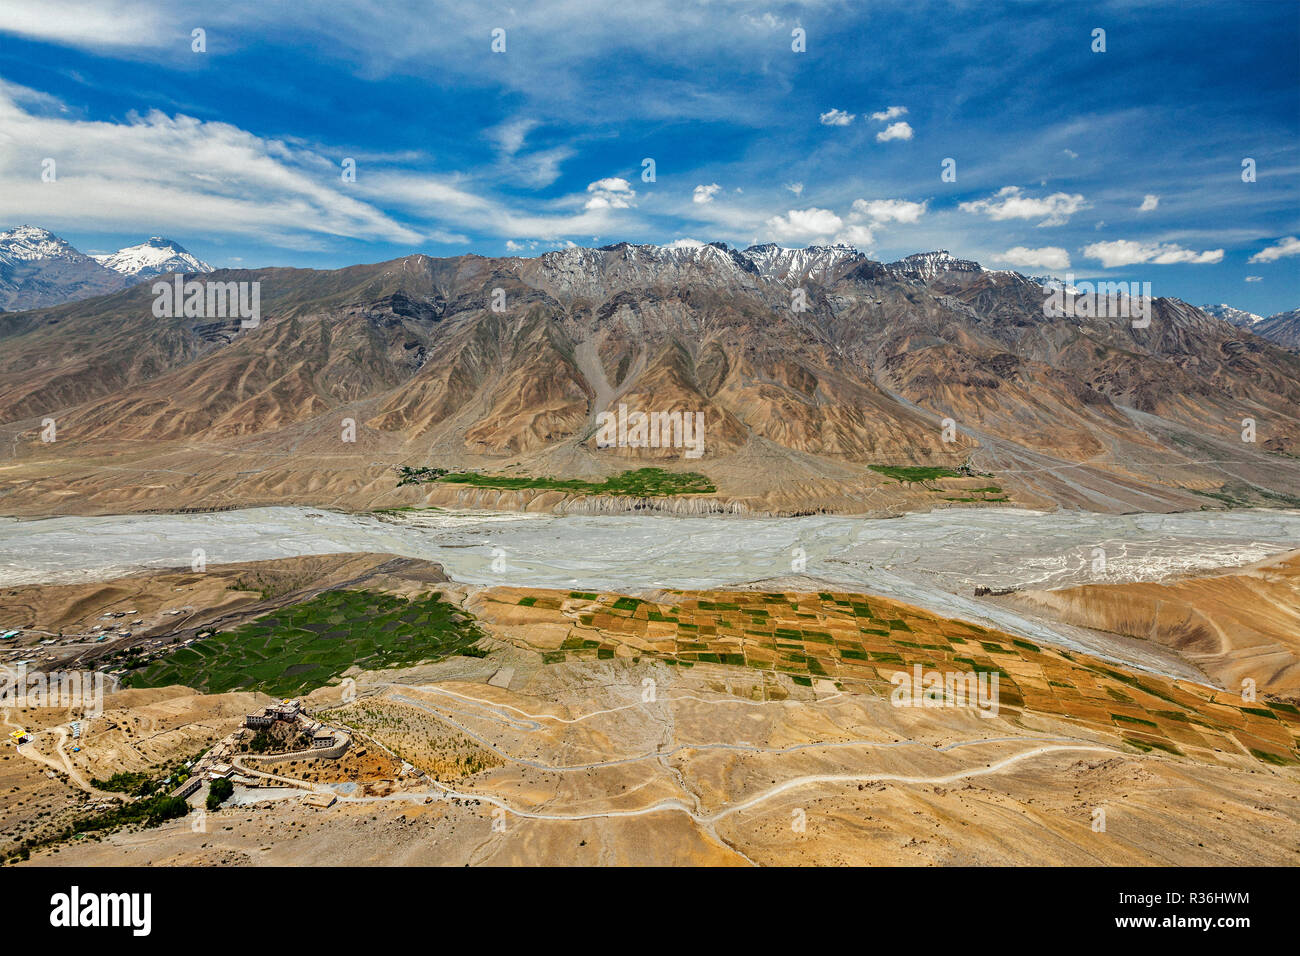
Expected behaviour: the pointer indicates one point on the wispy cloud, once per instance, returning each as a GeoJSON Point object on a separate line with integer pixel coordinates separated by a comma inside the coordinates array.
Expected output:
{"type": "Point", "coordinates": [90, 24]}
{"type": "Point", "coordinates": [461, 148]}
{"type": "Point", "coordinates": [1010, 202]}
{"type": "Point", "coordinates": [156, 171]}
{"type": "Point", "coordinates": [1283, 248]}
{"type": "Point", "coordinates": [836, 117]}
{"type": "Point", "coordinates": [893, 112]}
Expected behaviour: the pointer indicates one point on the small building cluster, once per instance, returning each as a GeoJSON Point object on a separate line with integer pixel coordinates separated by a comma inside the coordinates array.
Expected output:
{"type": "Point", "coordinates": [290, 711]}
{"type": "Point", "coordinates": [224, 759]}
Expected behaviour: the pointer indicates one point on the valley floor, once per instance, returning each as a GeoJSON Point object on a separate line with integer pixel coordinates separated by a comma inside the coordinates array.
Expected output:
{"type": "Point", "coordinates": [675, 726]}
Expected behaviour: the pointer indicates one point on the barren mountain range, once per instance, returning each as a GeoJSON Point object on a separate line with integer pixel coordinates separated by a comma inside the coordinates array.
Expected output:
{"type": "Point", "coordinates": [1281, 327]}
{"type": "Point", "coordinates": [809, 366]}
{"type": "Point", "coordinates": [1238, 317]}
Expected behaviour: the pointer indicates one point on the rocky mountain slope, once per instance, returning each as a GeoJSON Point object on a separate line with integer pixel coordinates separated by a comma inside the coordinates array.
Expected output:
{"type": "Point", "coordinates": [809, 367]}
{"type": "Point", "coordinates": [1282, 328]}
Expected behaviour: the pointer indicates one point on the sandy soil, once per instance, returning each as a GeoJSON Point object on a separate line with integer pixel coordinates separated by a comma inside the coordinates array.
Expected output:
{"type": "Point", "coordinates": [590, 775]}
{"type": "Point", "coordinates": [624, 759]}
{"type": "Point", "coordinates": [1237, 626]}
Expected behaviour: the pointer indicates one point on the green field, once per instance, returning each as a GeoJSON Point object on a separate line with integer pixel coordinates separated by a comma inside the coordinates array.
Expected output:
{"type": "Point", "coordinates": [306, 645]}
{"type": "Point", "coordinates": [643, 482]}
{"type": "Point", "coordinates": [915, 472]}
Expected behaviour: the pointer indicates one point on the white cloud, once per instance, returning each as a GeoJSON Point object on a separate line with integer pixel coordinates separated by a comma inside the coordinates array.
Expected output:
{"type": "Point", "coordinates": [814, 226]}
{"type": "Point", "coordinates": [532, 245]}
{"type": "Point", "coordinates": [430, 196]}
{"type": "Point", "coordinates": [767, 21]}
{"type": "Point", "coordinates": [1254, 278]}
{"type": "Point", "coordinates": [94, 24]}
{"type": "Point", "coordinates": [1127, 252]}
{"type": "Point", "coordinates": [888, 210]}
{"type": "Point", "coordinates": [894, 112]}
{"type": "Point", "coordinates": [1290, 246]}
{"type": "Point", "coordinates": [510, 135]}
{"type": "Point", "coordinates": [536, 169]}
{"type": "Point", "coordinates": [156, 172]}
{"type": "Point", "coordinates": [898, 130]}
{"type": "Point", "coordinates": [1149, 203]}
{"type": "Point", "coordinates": [610, 193]}
{"type": "Point", "coordinates": [1048, 257]}
{"type": "Point", "coordinates": [1071, 153]}
{"type": "Point", "coordinates": [855, 235]}
{"type": "Point", "coordinates": [684, 243]}
{"type": "Point", "coordinates": [796, 188]}
{"type": "Point", "coordinates": [1009, 202]}
{"type": "Point", "coordinates": [375, 38]}
{"type": "Point", "coordinates": [805, 225]}
{"type": "Point", "coordinates": [541, 168]}
{"type": "Point", "coordinates": [705, 194]}
{"type": "Point", "coordinates": [836, 118]}
{"type": "Point", "coordinates": [174, 174]}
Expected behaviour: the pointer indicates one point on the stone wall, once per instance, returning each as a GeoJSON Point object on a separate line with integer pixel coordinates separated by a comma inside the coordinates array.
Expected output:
{"type": "Point", "coordinates": [340, 746]}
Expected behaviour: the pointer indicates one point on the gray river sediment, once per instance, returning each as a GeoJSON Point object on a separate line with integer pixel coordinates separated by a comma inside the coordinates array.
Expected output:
{"type": "Point", "coordinates": [934, 560]}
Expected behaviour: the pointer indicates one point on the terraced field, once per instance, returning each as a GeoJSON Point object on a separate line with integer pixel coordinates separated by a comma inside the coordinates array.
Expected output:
{"type": "Point", "coordinates": [306, 645]}
{"type": "Point", "coordinates": [858, 642]}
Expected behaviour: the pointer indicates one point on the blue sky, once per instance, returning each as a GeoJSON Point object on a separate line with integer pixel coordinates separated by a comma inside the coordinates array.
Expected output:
{"type": "Point", "coordinates": [1125, 163]}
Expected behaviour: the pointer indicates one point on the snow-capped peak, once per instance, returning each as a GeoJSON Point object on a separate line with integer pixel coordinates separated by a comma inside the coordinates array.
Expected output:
{"type": "Point", "coordinates": [28, 243]}
{"type": "Point", "coordinates": [1051, 283]}
{"type": "Point", "coordinates": [153, 257]}
{"type": "Point", "coordinates": [1236, 317]}
{"type": "Point", "coordinates": [927, 265]}
{"type": "Point", "coordinates": [581, 269]}
{"type": "Point", "coordinates": [815, 262]}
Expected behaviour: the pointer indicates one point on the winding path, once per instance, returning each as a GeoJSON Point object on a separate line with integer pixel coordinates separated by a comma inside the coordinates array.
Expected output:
{"type": "Point", "coordinates": [708, 819]}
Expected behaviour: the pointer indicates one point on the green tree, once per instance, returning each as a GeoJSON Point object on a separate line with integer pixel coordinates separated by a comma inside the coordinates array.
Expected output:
{"type": "Point", "coordinates": [219, 792]}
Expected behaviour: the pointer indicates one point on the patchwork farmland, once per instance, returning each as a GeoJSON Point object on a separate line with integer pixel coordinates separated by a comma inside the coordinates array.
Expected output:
{"type": "Point", "coordinates": [858, 642]}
